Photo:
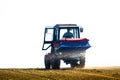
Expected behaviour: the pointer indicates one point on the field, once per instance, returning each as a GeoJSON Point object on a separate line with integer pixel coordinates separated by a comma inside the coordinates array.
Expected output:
{"type": "Point", "coordinates": [107, 73]}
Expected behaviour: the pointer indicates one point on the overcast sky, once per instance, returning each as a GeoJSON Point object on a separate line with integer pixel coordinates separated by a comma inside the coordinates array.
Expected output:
{"type": "Point", "coordinates": [22, 24]}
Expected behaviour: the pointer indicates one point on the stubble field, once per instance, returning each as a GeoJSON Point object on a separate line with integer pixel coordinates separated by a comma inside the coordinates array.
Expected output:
{"type": "Point", "coordinates": [104, 73]}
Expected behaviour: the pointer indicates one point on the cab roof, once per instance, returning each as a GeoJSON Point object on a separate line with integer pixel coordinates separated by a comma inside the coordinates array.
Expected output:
{"type": "Point", "coordinates": [63, 25]}
{"type": "Point", "coordinates": [66, 24]}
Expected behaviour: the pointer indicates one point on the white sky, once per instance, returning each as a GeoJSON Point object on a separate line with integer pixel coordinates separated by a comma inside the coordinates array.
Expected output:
{"type": "Point", "coordinates": [22, 25]}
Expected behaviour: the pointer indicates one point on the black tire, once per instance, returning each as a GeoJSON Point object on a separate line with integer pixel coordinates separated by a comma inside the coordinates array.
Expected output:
{"type": "Point", "coordinates": [82, 62]}
{"type": "Point", "coordinates": [47, 61]}
{"type": "Point", "coordinates": [58, 64]}
{"type": "Point", "coordinates": [55, 63]}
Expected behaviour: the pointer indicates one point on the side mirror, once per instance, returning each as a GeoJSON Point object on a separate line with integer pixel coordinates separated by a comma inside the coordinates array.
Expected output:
{"type": "Point", "coordinates": [81, 29]}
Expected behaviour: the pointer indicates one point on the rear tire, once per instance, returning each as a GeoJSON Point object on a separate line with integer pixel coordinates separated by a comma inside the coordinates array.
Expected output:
{"type": "Point", "coordinates": [47, 61]}
{"type": "Point", "coordinates": [55, 63]}
{"type": "Point", "coordinates": [82, 62]}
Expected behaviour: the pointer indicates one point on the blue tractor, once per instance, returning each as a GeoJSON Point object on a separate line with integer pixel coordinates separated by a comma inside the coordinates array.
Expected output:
{"type": "Point", "coordinates": [64, 43]}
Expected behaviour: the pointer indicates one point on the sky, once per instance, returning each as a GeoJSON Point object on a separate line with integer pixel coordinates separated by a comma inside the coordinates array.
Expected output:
{"type": "Point", "coordinates": [22, 24]}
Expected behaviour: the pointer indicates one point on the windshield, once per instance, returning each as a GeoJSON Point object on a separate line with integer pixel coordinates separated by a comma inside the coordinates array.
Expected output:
{"type": "Point", "coordinates": [69, 33]}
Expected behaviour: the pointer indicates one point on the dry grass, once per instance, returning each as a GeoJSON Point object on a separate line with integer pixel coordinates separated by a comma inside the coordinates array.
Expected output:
{"type": "Point", "coordinates": [63, 74]}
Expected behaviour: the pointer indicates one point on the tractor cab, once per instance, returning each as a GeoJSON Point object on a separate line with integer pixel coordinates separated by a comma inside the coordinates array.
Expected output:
{"type": "Point", "coordinates": [59, 32]}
